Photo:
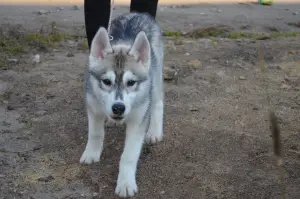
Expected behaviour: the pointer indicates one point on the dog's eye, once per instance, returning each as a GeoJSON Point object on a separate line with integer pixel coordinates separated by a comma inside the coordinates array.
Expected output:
{"type": "Point", "coordinates": [107, 82]}
{"type": "Point", "coordinates": [131, 83]}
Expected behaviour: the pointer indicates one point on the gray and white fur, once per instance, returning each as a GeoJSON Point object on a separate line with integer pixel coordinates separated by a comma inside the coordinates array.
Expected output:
{"type": "Point", "coordinates": [124, 83]}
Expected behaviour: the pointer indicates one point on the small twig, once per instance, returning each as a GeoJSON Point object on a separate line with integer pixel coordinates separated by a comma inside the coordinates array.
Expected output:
{"type": "Point", "coordinates": [18, 152]}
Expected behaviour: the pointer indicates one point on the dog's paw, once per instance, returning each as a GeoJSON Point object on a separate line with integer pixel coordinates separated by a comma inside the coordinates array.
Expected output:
{"type": "Point", "coordinates": [153, 137]}
{"type": "Point", "coordinates": [90, 156]}
{"type": "Point", "coordinates": [126, 187]}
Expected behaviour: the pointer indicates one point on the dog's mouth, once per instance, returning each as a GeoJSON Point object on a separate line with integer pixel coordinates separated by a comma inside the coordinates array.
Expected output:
{"type": "Point", "coordinates": [117, 118]}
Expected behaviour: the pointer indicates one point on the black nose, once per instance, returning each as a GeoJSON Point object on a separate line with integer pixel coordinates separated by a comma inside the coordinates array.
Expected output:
{"type": "Point", "coordinates": [118, 108]}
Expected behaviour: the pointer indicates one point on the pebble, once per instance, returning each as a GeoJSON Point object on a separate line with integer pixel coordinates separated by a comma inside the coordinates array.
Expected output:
{"type": "Point", "coordinates": [43, 12]}
{"type": "Point", "coordinates": [12, 60]}
{"type": "Point", "coordinates": [60, 9]}
{"type": "Point", "coordinates": [36, 58]}
{"type": "Point", "coordinates": [40, 113]}
{"type": "Point", "coordinates": [95, 194]}
{"type": "Point", "coordinates": [2, 176]}
{"type": "Point", "coordinates": [280, 18]}
{"type": "Point", "coordinates": [295, 13]}
{"type": "Point", "coordinates": [242, 78]}
{"type": "Point", "coordinates": [187, 54]}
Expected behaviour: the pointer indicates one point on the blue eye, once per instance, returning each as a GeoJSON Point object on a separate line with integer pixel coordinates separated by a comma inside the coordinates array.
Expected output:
{"type": "Point", "coordinates": [107, 82]}
{"type": "Point", "coordinates": [131, 83]}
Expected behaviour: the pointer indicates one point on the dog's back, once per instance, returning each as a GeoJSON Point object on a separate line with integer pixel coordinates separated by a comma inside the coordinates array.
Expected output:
{"type": "Point", "coordinates": [125, 28]}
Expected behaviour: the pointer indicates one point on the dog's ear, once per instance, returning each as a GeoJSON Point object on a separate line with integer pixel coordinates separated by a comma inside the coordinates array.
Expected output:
{"type": "Point", "coordinates": [141, 48]}
{"type": "Point", "coordinates": [100, 44]}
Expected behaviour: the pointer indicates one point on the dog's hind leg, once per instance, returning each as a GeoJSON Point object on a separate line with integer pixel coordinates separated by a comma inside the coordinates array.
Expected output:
{"type": "Point", "coordinates": [94, 145]}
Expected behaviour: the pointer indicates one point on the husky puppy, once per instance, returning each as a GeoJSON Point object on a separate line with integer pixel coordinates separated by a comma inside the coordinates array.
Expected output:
{"type": "Point", "coordinates": [124, 83]}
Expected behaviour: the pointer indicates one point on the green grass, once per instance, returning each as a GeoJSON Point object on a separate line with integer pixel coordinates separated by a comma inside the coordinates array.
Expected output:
{"type": "Point", "coordinates": [259, 36]}
{"type": "Point", "coordinates": [207, 32]}
{"type": "Point", "coordinates": [167, 33]}
{"type": "Point", "coordinates": [10, 45]}
{"type": "Point", "coordinates": [225, 33]}
{"type": "Point", "coordinates": [16, 43]}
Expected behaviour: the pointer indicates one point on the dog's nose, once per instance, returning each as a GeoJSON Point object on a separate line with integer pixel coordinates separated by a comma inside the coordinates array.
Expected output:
{"type": "Point", "coordinates": [118, 108]}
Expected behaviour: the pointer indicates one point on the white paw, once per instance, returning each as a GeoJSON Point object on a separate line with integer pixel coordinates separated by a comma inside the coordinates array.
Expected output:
{"type": "Point", "coordinates": [153, 137]}
{"type": "Point", "coordinates": [126, 187]}
{"type": "Point", "coordinates": [90, 156]}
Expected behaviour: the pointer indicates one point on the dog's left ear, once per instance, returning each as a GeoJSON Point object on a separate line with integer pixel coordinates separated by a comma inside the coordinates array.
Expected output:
{"type": "Point", "coordinates": [141, 48]}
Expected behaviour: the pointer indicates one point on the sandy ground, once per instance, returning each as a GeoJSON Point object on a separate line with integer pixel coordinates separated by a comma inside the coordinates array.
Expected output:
{"type": "Point", "coordinates": [217, 142]}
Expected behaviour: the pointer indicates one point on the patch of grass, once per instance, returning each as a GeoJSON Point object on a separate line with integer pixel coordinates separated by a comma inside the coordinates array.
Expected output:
{"type": "Point", "coordinates": [260, 36]}
{"type": "Point", "coordinates": [15, 42]}
{"type": "Point", "coordinates": [10, 45]}
{"type": "Point", "coordinates": [167, 33]}
{"type": "Point", "coordinates": [208, 32]}
{"type": "Point", "coordinates": [198, 33]}
{"type": "Point", "coordinates": [284, 34]}
{"type": "Point", "coordinates": [35, 38]}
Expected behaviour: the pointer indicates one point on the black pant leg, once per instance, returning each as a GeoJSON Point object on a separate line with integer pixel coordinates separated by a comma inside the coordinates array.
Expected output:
{"type": "Point", "coordinates": [148, 6]}
{"type": "Point", "coordinates": [96, 13]}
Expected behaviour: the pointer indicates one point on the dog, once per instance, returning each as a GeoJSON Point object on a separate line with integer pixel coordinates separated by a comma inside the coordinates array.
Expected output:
{"type": "Point", "coordinates": [124, 84]}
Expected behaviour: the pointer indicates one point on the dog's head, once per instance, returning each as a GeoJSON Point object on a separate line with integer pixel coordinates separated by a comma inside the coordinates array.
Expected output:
{"type": "Point", "coordinates": [119, 73]}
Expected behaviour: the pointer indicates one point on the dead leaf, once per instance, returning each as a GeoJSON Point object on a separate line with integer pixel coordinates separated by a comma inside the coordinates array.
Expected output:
{"type": "Point", "coordinates": [285, 86]}
{"type": "Point", "coordinates": [196, 63]}
{"type": "Point", "coordinates": [292, 52]}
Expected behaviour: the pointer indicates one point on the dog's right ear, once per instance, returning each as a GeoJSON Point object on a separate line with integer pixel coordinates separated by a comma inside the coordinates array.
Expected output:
{"type": "Point", "coordinates": [100, 44]}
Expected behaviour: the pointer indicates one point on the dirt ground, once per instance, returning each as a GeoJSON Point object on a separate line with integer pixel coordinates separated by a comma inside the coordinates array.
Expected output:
{"type": "Point", "coordinates": [217, 138]}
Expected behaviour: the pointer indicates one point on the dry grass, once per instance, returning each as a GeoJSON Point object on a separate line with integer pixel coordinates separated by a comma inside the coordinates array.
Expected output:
{"type": "Point", "coordinates": [225, 32]}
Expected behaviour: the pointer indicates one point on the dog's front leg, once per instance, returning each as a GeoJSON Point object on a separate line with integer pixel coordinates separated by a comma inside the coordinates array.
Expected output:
{"type": "Point", "coordinates": [94, 145]}
{"type": "Point", "coordinates": [126, 184]}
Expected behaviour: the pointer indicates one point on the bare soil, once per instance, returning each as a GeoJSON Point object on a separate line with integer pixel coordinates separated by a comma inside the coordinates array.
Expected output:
{"type": "Point", "coordinates": [217, 137]}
